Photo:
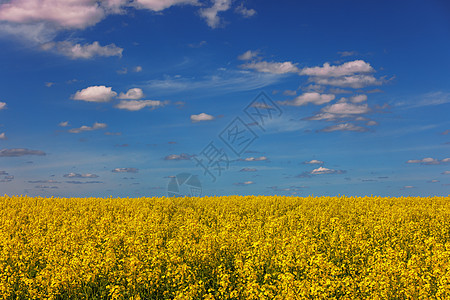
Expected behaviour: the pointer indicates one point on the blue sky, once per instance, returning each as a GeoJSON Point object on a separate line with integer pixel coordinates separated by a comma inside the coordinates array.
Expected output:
{"type": "Point", "coordinates": [117, 97]}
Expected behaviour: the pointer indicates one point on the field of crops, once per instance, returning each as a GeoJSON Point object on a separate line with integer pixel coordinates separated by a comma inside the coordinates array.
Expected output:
{"type": "Point", "coordinates": [253, 247]}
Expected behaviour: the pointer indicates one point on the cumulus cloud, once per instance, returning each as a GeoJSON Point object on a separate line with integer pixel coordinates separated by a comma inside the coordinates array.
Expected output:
{"type": "Point", "coordinates": [76, 175]}
{"type": "Point", "coordinates": [65, 14]}
{"type": "Point", "coordinates": [354, 74]}
{"type": "Point", "coordinates": [132, 94]}
{"type": "Point", "coordinates": [63, 124]}
{"type": "Point", "coordinates": [88, 128]}
{"type": "Point", "coordinates": [446, 173]}
{"type": "Point", "coordinates": [358, 98]}
{"type": "Point", "coordinates": [354, 81]}
{"type": "Point", "coordinates": [210, 14]}
{"type": "Point", "coordinates": [2, 136]}
{"type": "Point", "coordinates": [322, 170]}
{"type": "Point", "coordinates": [16, 152]}
{"type": "Point", "coordinates": [135, 105]}
{"type": "Point", "coordinates": [96, 93]}
{"type": "Point", "coordinates": [247, 55]}
{"type": "Point", "coordinates": [137, 69]}
{"type": "Point", "coordinates": [2, 105]}
{"type": "Point", "coordinates": [245, 12]}
{"type": "Point", "coordinates": [428, 161]}
{"type": "Point", "coordinates": [202, 117]}
{"type": "Point", "coordinates": [312, 97]}
{"type": "Point", "coordinates": [313, 162]}
{"type": "Point", "coordinates": [271, 67]}
{"type": "Point", "coordinates": [40, 20]}
{"type": "Point", "coordinates": [344, 127]}
{"type": "Point", "coordinates": [182, 156]}
{"type": "Point", "coordinates": [125, 170]}
{"type": "Point", "coordinates": [348, 68]}
{"type": "Point", "coordinates": [85, 51]}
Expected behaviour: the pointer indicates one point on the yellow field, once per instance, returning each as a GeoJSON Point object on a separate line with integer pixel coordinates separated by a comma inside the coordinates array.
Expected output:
{"type": "Point", "coordinates": [225, 248]}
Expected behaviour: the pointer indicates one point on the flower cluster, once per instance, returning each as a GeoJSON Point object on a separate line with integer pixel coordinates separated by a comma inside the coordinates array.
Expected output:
{"type": "Point", "coordinates": [235, 247]}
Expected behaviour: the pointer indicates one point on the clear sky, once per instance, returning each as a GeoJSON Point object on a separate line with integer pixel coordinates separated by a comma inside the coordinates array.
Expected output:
{"type": "Point", "coordinates": [115, 97]}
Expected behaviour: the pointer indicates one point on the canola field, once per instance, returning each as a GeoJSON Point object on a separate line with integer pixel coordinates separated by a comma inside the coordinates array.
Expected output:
{"type": "Point", "coordinates": [235, 247]}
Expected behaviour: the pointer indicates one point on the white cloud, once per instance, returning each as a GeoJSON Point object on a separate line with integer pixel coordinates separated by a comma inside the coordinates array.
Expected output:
{"type": "Point", "coordinates": [211, 13]}
{"type": "Point", "coordinates": [76, 14]}
{"type": "Point", "coordinates": [247, 13]}
{"type": "Point", "coordinates": [182, 156]}
{"type": "Point", "coordinates": [244, 183]}
{"type": "Point", "coordinates": [64, 124]}
{"type": "Point", "coordinates": [225, 81]}
{"type": "Point", "coordinates": [122, 71]}
{"type": "Point", "coordinates": [113, 133]}
{"type": "Point", "coordinates": [54, 15]}
{"type": "Point", "coordinates": [76, 175]}
{"type": "Point", "coordinates": [197, 45]}
{"type": "Point", "coordinates": [322, 170]}
{"type": "Point", "coordinates": [314, 161]}
{"type": "Point", "coordinates": [135, 105]}
{"type": "Point", "coordinates": [16, 152]}
{"type": "Point", "coordinates": [353, 74]}
{"type": "Point", "coordinates": [2, 136]}
{"type": "Point", "coordinates": [125, 170]}
{"type": "Point", "coordinates": [346, 108]}
{"type": "Point", "coordinates": [372, 123]}
{"type": "Point", "coordinates": [358, 98]}
{"type": "Point", "coordinates": [348, 68]}
{"type": "Point", "coordinates": [408, 187]}
{"type": "Point", "coordinates": [88, 128]}
{"type": "Point", "coordinates": [354, 81]}
{"type": "Point", "coordinates": [86, 51]}
{"type": "Point", "coordinates": [137, 69]}
{"type": "Point", "coordinates": [99, 93]}
{"type": "Point", "coordinates": [347, 53]}
{"type": "Point", "coordinates": [35, 33]}
{"type": "Point", "coordinates": [247, 55]}
{"type": "Point", "coordinates": [261, 158]}
{"type": "Point", "coordinates": [248, 170]}
{"type": "Point", "coordinates": [132, 94]}
{"type": "Point", "coordinates": [424, 161]}
{"type": "Point", "coordinates": [427, 161]}
{"type": "Point", "coordinates": [2, 105]}
{"type": "Point", "coordinates": [312, 97]}
{"type": "Point", "coordinates": [344, 127]}
{"type": "Point", "coordinates": [323, 116]}
{"type": "Point", "coordinates": [159, 5]}
{"type": "Point", "coordinates": [272, 67]}
{"type": "Point", "coordinates": [289, 93]}
{"type": "Point", "coordinates": [431, 99]}
{"type": "Point", "coordinates": [201, 117]}
{"type": "Point", "coordinates": [446, 173]}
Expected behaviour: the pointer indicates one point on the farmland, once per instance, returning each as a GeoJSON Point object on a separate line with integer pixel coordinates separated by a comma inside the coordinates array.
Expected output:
{"type": "Point", "coordinates": [234, 247]}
